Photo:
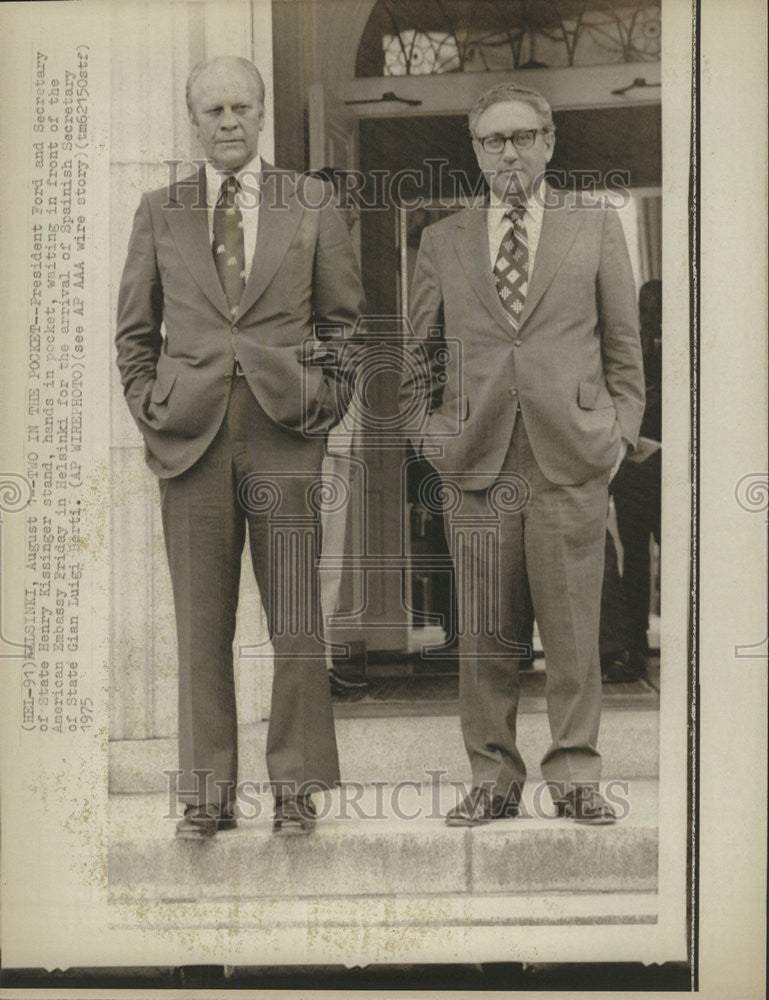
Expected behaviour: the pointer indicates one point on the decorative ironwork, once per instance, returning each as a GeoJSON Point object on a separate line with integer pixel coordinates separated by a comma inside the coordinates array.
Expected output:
{"type": "Point", "coordinates": [423, 37]}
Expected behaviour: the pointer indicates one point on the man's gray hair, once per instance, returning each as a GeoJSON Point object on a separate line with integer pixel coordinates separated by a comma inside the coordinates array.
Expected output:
{"type": "Point", "coordinates": [504, 92]}
{"type": "Point", "coordinates": [205, 63]}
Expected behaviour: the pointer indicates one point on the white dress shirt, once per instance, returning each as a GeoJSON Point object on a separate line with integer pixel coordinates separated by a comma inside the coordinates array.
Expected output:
{"type": "Point", "coordinates": [249, 178]}
{"type": "Point", "coordinates": [499, 226]}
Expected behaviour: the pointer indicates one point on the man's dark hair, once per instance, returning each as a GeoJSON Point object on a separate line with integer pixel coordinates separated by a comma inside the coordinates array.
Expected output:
{"type": "Point", "coordinates": [504, 92]}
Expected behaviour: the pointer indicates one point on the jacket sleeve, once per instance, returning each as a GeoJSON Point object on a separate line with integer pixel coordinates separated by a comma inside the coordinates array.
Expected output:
{"type": "Point", "coordinates": [338, 304]}
{"type": "Point", "coordinates": [620, 338]}
{"type": "Point", "coordinates": [139, 313]}
{"type": "Point", "coordinates": [422, 382]}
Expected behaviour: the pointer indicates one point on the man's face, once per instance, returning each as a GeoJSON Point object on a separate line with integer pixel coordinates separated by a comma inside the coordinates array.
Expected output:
{"type": "Point", "coordinates": [512, 173]}
{"type": "Point", "coordinates": [227, 114]}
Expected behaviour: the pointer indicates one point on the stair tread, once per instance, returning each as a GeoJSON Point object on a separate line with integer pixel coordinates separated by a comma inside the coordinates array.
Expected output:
{"type": "Point", "coordinates": [403, 911]}
{"type": "Point", "coordinates": [414, 693]}
{"type": "Point", "coordinates": [391, 749]}
{"type": "Point", "coordinates": [353, 856]}
{"type": "Point", "coordinates": [344, 812]}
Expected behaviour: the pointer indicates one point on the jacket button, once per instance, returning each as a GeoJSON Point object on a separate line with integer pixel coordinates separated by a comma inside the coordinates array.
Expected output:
{"type": "Point", "coordinates": [513, 391]}
{"type": "Point", "coordinates": [517, 343]}
{"type": "Point", "coordinates": [235, 331]}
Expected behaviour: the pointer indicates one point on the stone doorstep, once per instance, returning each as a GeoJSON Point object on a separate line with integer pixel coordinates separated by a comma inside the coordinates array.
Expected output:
{"type": "Point", "coordinates": [434, 635]}
{"type": "Point", "coordinates": [398, 748]}
{"type": "Point", "coordinates": [365, 845]}
{"type": "Point", "coordinates": [537, 909]}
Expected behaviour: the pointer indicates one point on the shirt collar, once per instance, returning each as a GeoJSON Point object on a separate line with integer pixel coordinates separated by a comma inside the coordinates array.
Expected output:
{"type": "Point", "coordinates": [215, 178]}
{"type": "Point", "coordinates": [532, 207]}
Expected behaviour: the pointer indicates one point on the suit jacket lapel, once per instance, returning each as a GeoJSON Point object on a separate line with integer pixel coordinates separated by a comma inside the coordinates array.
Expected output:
{"type": "Point", "coordinates": [559, 227]}
{"type": "Point", "coordinates": [280, 213]}
{"type": "Point", "coordinates": [473, 250]}
{"type": "Point", "coordinates": [187, 219]}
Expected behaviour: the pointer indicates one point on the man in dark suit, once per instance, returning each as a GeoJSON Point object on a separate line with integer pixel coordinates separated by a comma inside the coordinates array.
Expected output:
{"type": "Point", "coordinates": [242, 265]}
{"type": "Point", "coordinates": [543, 392]}
{"type": "Point", "coordinates": [637, 490]}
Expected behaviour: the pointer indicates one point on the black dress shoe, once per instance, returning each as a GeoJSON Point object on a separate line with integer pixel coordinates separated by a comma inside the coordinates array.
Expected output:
{"type": "Point", "coordinates": [637, 662]}
{"type": "Point", "coordinates": [294, 816]}
{"type": "Point", "coordinates": [585, 804]}
{"type": "Point", "coordinates": [341, 683]}
{"type": "Point", "coordinates": [227, 820]}
{"type": "Point", "coordinates": [202, 822]}
{"type": "Point", "coordinates": [198, 823]}
{"type": "Point", "coordinates": [622, 668]}
{"type": "Point", "coordinates": [479, 806]}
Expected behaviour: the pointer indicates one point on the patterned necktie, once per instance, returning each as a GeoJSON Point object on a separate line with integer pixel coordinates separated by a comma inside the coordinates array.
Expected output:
{"type": "Point", "coordinates": [511, 270]}
{"type": "Point", "coordinates": [229, 247]}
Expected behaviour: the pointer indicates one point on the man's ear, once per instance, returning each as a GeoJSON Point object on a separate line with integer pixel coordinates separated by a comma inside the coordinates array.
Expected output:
{"type": "Point", "coordinates": [549, 138]}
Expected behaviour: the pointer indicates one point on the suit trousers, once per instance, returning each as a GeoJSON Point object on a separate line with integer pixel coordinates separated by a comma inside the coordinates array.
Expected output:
{"type": "Point", "coordinates": [527, 543]}
{"type": "Point", "coordinates": [636, 491]}
{"type": "Point", "coordinates": [613, 634]}
{"type": "Point", "coordinates": [256, 477]}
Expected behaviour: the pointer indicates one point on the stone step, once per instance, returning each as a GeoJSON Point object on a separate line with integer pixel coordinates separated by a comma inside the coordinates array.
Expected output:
{"type": "Point", "coordinates": [404, 688]}
{"type": "Point", "coordinates": [389, 842]}
{"type": "Point", "coordinates": [400, 748]}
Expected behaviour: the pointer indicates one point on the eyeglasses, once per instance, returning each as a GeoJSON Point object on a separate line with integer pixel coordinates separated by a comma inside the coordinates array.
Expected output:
{"type": "Point", "coordinates": [521, 140]}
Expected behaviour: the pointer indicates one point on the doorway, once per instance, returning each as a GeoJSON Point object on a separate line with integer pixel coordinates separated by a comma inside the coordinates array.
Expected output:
{"type": "Point", "coordinates": [432, 159]}
{"type": "Point", "coordinates": [414, 127]}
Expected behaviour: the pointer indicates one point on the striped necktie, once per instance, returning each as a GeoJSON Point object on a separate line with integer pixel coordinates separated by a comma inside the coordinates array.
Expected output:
{"type": "Point", "coordinates": [511, 269]}
{"type": "Point", "coordinates": [229, 246]}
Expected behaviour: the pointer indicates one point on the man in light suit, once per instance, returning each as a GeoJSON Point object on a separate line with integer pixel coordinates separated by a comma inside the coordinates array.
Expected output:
{"type": "Point", "coordinates": [242, 265]}
{"type": "Point", "coordinates": [532, 297]}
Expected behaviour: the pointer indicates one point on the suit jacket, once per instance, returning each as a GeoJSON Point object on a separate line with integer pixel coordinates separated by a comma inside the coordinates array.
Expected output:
{"type": "Point", "coordinates": [574, 366]}
{"type": "Point", "coordinates": [304, 276]}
